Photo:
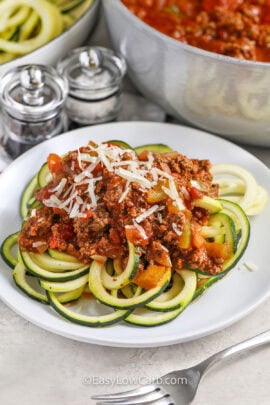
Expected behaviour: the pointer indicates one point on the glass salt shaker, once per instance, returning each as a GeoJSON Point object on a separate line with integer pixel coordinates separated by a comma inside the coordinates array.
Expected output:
{"type": "Point", "coordinates": [95, 77]}
{"type": "Point", "coordinates": [32, 99]}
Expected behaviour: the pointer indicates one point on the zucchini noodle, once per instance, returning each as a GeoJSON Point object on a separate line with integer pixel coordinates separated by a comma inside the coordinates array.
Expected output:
{"type": "Point", "coordinates": [135, 288]}
{"type": "Point", "coordinates": [241, 187]}
{"type": "Point", "coordinates": [35, 23]}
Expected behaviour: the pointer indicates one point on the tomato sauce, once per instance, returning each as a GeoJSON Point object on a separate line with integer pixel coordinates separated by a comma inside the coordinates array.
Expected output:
{"type": "Point", "coordinates": [87, 216]}
{"type": "Point", "coordinates": [237, 28]}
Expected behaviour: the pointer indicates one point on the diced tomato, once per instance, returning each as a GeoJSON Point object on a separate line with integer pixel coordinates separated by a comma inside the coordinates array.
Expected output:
{"type": "Point", "coordinates": [55, 163]}
{"type": "Point", "coordinates": [97, 170]}
{"type": "Point", "coordinates": [58, 211]}
{"type": "Point", "coordinates": [195, 193]}
{"type": "Point", "coordinates": [43, 194]}
{"type": "Point", "coordinates": [88, 213]}
{"type": "Point", "coordinates": [205, 220]}
{"type": "Point", "coordinates": [222, 250]}
{"type": "Point", "coordinates": [209, 5]}
{"type": "Point", "coordinates": [54, 242]}
{"type": "Point", "coordinates": [136, 237]}
{"type": "Point", "coordinates": [150, 277]}
{"type": "Point", "coordinates": [114, 236]}
{"type": "Point", "coordinates": [187, 7]}
{"type": "Point", "coordinates": [198, 240]}
{"type": "Point", "coordinates": [265, 15]}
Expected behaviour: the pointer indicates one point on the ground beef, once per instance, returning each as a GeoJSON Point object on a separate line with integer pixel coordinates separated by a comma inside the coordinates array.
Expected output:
{"type": "Point", "coordinates": [36, 231]}
{"type": "Point", "coordinates": [199, 259]}
{"type": "Point", "coordinates": [237, 28]}
{"type": "Point", "coordinates": [103, 230]}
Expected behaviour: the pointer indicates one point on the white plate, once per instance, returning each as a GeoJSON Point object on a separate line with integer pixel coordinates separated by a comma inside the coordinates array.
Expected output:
{"type": "Point", "coordinates": [226, 302]}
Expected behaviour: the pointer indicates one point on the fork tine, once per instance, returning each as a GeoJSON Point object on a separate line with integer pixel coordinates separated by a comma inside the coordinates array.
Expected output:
{"type": "Point", "coordinates": [147, 389]}
{"type": "Point", "coordinates": [145, 399]}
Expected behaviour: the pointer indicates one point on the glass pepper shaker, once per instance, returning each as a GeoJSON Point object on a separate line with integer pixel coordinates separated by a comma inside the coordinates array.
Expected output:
{"type": "Point", "coordinates": [95, 78]}
{"type": "Point", "coordinates": [32, 99]}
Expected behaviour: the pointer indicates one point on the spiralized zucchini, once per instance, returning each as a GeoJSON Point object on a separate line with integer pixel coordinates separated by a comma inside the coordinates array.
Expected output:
{"type": "Point", "coordinates": [26, 25]}
{"type": "Point", "coordinates": [241, 187]}
{"type": "Point", "coordinates": [105, 291]}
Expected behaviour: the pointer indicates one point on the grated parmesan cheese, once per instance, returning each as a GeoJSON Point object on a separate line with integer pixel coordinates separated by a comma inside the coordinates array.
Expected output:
{"type": "Point", "coordinates": [125, 193]}
{"type": "Point", "coordinates": [176, 229]}
{"type": "Point", "coordinates": [52, 202]}
{"type": "Point", "coordinates": [79, 159]}
{"type": "Point", "coordinates": [146, 214]}
{"type": "Point", "coordinates": [38, 244]}
{"type": "Point", "coordinates": [173, 194]}
{"type": "Point", "coordinates": [162, 173]}
{"type": "Point", "coordinates": [132, 170]}
{"type": "Point", "coordinates": [68, 191]}
{"type": "Point", "coordinates": [159, 217]}
{"type": "Point", "coordinates": [196, 184]}
{"type": "Point", "coordinates": [59, 188]}
{"type": "Point", "coordinates": [85, 157]}
{"type": "Point", "coordinates": [140, 229]}
{"type": "Point", "coordinates": [136, 178]}
{"type": "Point", "coordinates": [75, 210]}
{"type": "Point", "coordinates": [250, 266]}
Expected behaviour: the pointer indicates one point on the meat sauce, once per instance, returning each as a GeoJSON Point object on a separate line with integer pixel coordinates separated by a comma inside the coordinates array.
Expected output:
{"type": "Point", "coordinates": [237, 28]}
{"type": "Point", "coordinates": [103, 227]}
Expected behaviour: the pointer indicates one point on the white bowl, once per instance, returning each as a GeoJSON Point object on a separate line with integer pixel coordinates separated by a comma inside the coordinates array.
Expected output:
{"type": "Point", "coordinates": [224, 95]}
{"type": "Point", "coordinates": [54, 50]}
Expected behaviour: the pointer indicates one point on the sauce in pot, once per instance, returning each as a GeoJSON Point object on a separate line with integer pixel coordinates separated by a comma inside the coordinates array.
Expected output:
{"type": "Point", "coordinates": [237, 28]}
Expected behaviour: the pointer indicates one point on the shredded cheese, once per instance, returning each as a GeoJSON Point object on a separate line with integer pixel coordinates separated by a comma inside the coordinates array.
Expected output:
{"type": "Point", "coordinates": [251, 266]}
{"type": "Point", "coordinates": [176, 229]}
{"type": "Point", "coordinates": [33, 212]}
{"type": "Point", "coordinates": [162, 173]}
{"type": "Point", "coordinates": [52, 202]}
{"type": "Point", "coordinates": [59, 188]}
{"type": "Point", "coordinates": [125, 193]}
{"type": "Point", "coordinates": [146, 214]}
{"type": "Point", "coordinates": [136, 178]}
{"type": "Point", "coordinates": [173, 194]}
{"type": "Point", "coordinates": [68, 191]}
{"type": "Point", "coordinates": [196, 184]}
{"type": "Point", "coordinates": [38, 244]}
{"type": "Point", "coordinates": [85, 157]}
{"type": "Point", "coordinates": [79, 159]}
{"type": "Point", "coordinates": [132, 170]}
{"type": "Point", "coordinates": [140, 229]}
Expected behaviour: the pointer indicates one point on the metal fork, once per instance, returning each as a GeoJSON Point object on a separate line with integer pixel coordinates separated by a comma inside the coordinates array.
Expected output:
{"type": "Point", "coordinates": [179, 387]}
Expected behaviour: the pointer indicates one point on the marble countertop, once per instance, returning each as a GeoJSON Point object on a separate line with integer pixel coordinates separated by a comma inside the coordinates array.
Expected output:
{"type": "Point", "coordinates": [38, 367]}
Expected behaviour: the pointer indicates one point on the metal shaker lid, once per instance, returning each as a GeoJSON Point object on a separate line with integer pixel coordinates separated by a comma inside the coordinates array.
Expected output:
{"type": "Point", "coordinates": [92, 72]}
{"type": "Point", "coordinates": [33, 92]}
